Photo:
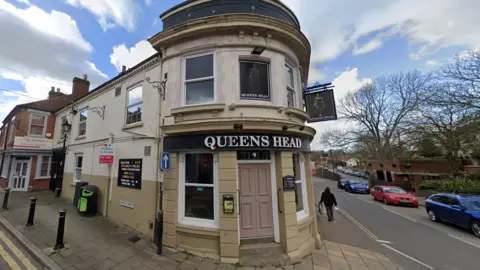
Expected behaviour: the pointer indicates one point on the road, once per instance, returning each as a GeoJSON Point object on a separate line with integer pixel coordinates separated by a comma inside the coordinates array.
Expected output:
{"type": "Point", "coordinates": [404, 234]}
{"type": "Point", "coordinates": [13, 256]}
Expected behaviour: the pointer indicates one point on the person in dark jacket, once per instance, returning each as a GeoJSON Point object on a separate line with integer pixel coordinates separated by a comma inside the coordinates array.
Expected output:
{"type": "Point", "coordinates": [328, 199]}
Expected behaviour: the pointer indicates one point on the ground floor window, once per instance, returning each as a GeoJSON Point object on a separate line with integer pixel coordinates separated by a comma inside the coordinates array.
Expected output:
{"type": "Point", "coordinates": [300, 191]}
{"type": "Point", "coordinates": [199, 199]}
{"type": "Point", "coordinates": [78, 167]}
{"type": "Point", "coordinates": [43, 166]}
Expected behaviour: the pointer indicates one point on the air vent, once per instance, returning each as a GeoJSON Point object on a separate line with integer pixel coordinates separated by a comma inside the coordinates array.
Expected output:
{"type": "Point", "coordinates": [118, 91]}
{"type": "Point", "coordinates": [147, 150]}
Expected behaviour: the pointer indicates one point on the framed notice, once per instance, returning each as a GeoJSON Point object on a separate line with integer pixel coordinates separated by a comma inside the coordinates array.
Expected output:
{"type": "Point", "coordinates": [130, 173]}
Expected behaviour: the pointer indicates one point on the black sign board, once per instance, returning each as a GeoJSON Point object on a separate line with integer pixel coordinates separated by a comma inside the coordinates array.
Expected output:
{"type": "Point", "coordinates": [233, 142]}
{"type": "Point", "coordinates": [320, 106]}
{"type": "Point", "coordinates": [130, 173]}
{"type": "Point", "coordinates": [289, 183]}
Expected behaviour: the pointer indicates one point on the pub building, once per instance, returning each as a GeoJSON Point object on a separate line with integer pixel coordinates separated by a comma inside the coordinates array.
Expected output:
{"type": "Point", "coordinates": [233, 123]}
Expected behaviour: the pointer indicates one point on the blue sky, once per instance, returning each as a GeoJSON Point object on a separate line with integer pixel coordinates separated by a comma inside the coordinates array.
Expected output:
{"type": "Point", "coordinates": [51, 41]}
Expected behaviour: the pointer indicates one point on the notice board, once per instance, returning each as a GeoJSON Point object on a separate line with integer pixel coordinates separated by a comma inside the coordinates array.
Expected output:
{"type": "Point", "coordinates": [130, 173]}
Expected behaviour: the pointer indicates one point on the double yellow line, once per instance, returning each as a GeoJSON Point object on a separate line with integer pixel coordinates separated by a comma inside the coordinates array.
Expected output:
{"type": "Point", "coordinates": [9, 259]}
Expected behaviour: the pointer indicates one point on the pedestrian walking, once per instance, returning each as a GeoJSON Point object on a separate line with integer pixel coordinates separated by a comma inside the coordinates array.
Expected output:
{"type": "Point", "coordinates": [328, 199]}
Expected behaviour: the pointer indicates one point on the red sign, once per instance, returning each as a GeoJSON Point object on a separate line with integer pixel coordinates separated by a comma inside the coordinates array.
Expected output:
{"type": "Point", "coordinates": [106, 159]}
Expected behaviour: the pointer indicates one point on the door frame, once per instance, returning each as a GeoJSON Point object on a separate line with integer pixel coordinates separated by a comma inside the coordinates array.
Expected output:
{"type": "Point", "coordinates": [12, 170]}
{"type": "Point", "coordinates": [271, 161]}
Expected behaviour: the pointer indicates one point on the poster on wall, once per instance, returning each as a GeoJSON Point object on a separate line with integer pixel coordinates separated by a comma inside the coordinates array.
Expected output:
{"type": "Point", "coordinates": [130, 173]}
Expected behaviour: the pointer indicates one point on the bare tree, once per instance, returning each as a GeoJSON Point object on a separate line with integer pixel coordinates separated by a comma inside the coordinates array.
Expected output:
{"type": "Point", "coordinates": [464, 73]}
{"type": "Point", "coordinates": [377, 110]}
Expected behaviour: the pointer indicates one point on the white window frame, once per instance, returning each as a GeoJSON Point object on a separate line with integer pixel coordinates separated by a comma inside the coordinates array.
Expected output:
{"type": "Point", "coordinates": [185, 81]}
{"type": "Point", "coordinates": [291, 89]}
{"type": "Point", "coordinates": [44, 123]}
{"type": "Point", "coordinates": [268, 63]}
{"type": "Point", "coordinates": [75, 168]}
{"type": "Point", "coordinates": [198, 222]}
{"type": "Point", "coordinates": [39, 167]}
{"type": "Point", "coordinates": [130, 88]}
{"type": "Point", "coordinates": [302, 214]}
{"type": "Point", "coordinates": [6, 162]}
{"type": "Point", "coordinates": [81, 122]}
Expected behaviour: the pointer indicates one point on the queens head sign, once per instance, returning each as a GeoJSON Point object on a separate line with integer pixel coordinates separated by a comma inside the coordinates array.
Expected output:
{"type": "Point", "coordinates": [320, 103]}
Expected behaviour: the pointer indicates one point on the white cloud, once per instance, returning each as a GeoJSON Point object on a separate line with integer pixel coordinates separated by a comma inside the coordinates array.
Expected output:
{"type": "Point", "coordinates": [347, 81]}
{"type": "Point", "coordinates": [367, 47]}
{"type": "Point", "coordinates": [428, 24]}
{"type": "Point", "coordinates": [122, 56]}
{"type": "Point", "coordinates": [41, 49]}
{"type": "Point", "coordinates": [111, 13]}
{"type": "Point", "coordinates": [432, 63]}
{"type": "Point", "coordinates": [148, 2]}
{"type": "Point", "coordinates": [314, 75]}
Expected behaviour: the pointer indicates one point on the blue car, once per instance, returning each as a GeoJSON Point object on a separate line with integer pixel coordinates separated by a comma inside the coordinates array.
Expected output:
{"type": "Point", "coordinates": [341, 183]}
{"type": "Point", "coordinates": [355, 186]}
{"type": "Point", "coordinates": [460, 210]}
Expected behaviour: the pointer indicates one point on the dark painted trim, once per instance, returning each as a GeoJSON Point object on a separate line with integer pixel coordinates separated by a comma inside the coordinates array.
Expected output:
{"type": "Point", "coordinates": [219, 7]}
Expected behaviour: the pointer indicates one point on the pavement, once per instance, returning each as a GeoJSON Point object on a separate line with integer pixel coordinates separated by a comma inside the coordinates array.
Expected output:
{"type": "Point", "coordinates": [403, 234]}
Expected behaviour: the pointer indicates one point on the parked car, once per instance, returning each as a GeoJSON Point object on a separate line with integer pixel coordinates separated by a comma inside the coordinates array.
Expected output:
{"type": "Point", "coordinates": [460, 210]}
{"type": "Point", "coordinates": [341, 183]}
{"type": "Point", "coordinates": [393, 195]}
{"type": "Point", "coordinates": [357, 186]}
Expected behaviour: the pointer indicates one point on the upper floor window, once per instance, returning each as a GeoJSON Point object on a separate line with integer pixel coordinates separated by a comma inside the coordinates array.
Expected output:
{"type": "Point", "coordinates": [290, 82]}
{"type": "Point", "coordinates": [199, 79]}
{"type": "Point", "coordinates": [134, 105]}
{"type": "Point", "coordinates": [254, 80]}
{"type": "Point", "coordinates": [37, 124]}
{"type": "Point", "coordinates": [82, 122]}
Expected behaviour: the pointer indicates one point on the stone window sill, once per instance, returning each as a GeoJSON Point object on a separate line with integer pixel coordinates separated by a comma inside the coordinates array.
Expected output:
{"type": "Point", "coordinates": [297, 112]}
{"type": "Point", "coordinates": [80, 137]}
{"type": "Point", "coordinates": [198, 108]}
{"type": "Point", "coordinates": [134, 125]}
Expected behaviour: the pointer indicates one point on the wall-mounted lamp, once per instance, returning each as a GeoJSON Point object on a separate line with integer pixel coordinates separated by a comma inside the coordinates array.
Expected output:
{"type": "Point", "coordinates": [66, 126]}
{"type": "Point", "coordinates": [257, 50]}
{"type": "Point", "coordinates": [300, 127]}
{"type": "Point", "coordinates": [238, 126]}
{"type": "Point", "coordinates": [160, 86]}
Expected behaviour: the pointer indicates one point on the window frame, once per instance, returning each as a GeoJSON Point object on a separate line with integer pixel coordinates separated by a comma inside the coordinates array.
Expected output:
{"type": "Point", "coordinates": [198, 222]}
{"type": "Point", "coordinates": [268, 63]}
{"type": "Point", "coordinates": [127, 106]}
{"type": "Point", "coordinates": [44, 131]}
{"type": "Point", "coordinates": [82, 122]}
{"type": "Point", "coordinates": [75, 168]}
{"type": "Point", "coordinates": [302, 214]}
{"type": "Point", "coordinates": [291, 89]}
{"type": "Point", "coordinates": [38, 173]}
{"type": "Point", "coordinates": [185, 81]}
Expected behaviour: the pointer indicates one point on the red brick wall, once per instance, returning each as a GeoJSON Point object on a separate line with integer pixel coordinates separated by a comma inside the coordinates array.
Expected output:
{"type": "Point", "coordinates": [23, 118]}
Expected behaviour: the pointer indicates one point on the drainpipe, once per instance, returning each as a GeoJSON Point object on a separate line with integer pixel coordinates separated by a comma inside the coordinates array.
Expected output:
{"type": "Point", "coordinates": [108, 196]}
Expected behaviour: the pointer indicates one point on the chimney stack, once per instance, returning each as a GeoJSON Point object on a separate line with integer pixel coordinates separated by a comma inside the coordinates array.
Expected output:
{"type": "Point", "coordinates": [80, 87]}
{"type": "Point", "coordinates": [54, 94]}
{"type": "Point", "coordinates": [58, 90]}
{"type": "Point", "coordinates": [124, 68]}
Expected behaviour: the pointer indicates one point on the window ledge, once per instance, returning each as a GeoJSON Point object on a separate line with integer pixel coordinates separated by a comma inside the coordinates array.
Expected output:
{"type": "Point", "coordinates": [198, 108]}
{"type": "Point", "coordinates": [80, 137]}
{"type": "Point", "coordinates": [42, 178]}
{"type": "Point", "coordinates": [297, 112]}
{"type": "Point", "coordinates": [215, 232]}
{"type": "Point", "coordinates": [303, 219]}
{"type": "Point", "coordinates": [134, 125]}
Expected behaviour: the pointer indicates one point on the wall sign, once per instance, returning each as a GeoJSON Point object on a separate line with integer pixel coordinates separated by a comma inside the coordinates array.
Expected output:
{"type": "Point", "coordinates": [232, 142]}
{"type": "Point", "coordinates": [127, 204]}
{"type": "Point", "coordinates": [32, 143]}
{"type": "Point", "coordinates": [130, 173]}
{"type": "Point", "coordinates": [320, 106]}
{"type": "Point", "coordinates": [289, 183]}
{"type": "Point", "coordinates": [107, 153]}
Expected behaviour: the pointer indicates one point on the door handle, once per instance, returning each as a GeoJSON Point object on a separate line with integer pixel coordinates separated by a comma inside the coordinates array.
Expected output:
{"type": "Point", "coordinates": [278, 201]}
{"type": "Point", "coordinates": [239, 202]}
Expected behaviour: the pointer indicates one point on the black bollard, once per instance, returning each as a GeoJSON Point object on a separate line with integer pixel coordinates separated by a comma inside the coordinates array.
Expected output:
{"type": "Point", "coordinates": [57, 192]}
{"type": "Point", "coordinates": [31, 212]}
{"type": "Point", "coordinates": [61, 229]}
{"type": "Point", "coordinates": [159, 232]}
{"type": "Point", "coordinates": [5, 198]}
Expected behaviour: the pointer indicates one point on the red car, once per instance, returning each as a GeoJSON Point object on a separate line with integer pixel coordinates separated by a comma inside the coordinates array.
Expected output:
{"type": "Point", "coordinates": [393, 195]}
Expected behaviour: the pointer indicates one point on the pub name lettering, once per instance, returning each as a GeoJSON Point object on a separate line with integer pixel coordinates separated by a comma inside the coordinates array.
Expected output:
{"type": "Point", "coordinates": [214, 142]}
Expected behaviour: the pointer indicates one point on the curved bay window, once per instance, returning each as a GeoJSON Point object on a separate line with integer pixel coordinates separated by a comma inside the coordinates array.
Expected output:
{"type": "Point", "coordinates": [199, 195]}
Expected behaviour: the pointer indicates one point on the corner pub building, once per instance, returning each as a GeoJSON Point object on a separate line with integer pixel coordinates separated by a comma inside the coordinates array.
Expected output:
{"type": "Point", "coordinates": [234, 125]}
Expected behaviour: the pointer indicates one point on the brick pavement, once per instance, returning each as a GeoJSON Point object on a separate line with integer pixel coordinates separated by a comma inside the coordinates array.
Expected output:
{"type": "Point", "coordinates": [97, 243]}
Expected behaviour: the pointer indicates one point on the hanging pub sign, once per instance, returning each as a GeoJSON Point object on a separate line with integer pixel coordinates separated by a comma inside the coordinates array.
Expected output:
{"type": "Point", "coordinates": [130, 173]}
{"type": "Point", "coordinates": [320, 104]}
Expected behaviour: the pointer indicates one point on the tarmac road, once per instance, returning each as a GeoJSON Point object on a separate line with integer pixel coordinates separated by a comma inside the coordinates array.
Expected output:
{"type": "Point", "coordinates": [13, 256]}
{"type": "Point", "coordinates": [401, 233]}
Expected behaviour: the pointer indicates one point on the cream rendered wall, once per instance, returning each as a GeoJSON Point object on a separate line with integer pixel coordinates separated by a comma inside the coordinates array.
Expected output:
{"type": "Point", "coordinates": [129, 143]}
{"type": "Point", "coordinates": [227, 79]}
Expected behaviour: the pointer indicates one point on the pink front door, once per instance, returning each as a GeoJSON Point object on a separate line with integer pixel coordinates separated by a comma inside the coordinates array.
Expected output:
{"type": "Point", "coordinates": [256, 217]}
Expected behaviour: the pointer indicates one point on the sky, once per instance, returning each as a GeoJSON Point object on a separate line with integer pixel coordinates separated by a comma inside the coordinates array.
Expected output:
{"type": "Point", "coordinates": [46, 43]}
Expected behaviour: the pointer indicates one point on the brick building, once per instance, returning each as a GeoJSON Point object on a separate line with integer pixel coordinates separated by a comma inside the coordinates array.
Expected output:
{"type": "Point", "coordinates": [26, 140]}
